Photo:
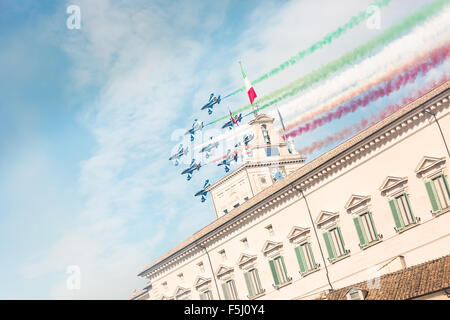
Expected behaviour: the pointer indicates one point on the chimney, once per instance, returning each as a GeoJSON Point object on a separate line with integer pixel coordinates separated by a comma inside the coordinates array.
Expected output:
{"type": "Point", "coordinates": [402, 261]}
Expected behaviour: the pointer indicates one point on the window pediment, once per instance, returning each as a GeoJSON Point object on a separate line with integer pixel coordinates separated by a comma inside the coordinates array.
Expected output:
{"type": "Point", "coordinates": [201, 282]}
{"type": "Point", "coordinates": [298, 234]}
{"type": "Point", "coordinates": [245, 259]}
{"type": "Point", "coordinates": [326, 218]}
{"type": "Point", "coordinates": [392, 184]}
{"type": "Point", "coordinates": [429, 165]}
{"type": "Point", "coordinates": [357, 203]}
{"type": "Point", "coordinates": [223, 271]}
{"type": "Point", "coordinates": [180, 291]}
{"type": "Point", "coordinates": [271, 247]}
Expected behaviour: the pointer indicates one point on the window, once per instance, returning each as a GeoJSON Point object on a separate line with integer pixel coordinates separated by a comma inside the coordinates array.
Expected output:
{"type": "Point", "coordinates": [401, 211]}
{"type": "Point", "coordinates": [253, 283]}
{"type": "Point", "coordinates": [334, 243]}
{"type": "Point", "coordinates": [207, 295]}
{"type": "Point", "coordinates": [223, 254]}
{"type": "Point", "coordinates": [225, 211]}
{"type": "Point", "coordinates": [272, 151]}
{"type": "Point", "coordinates": [265, 134]}
{"type": "Point", "coordinates": [439, 193]}
{"type": "Point", "coordinates": [245, 242]}
{"type": "Point", "coordinates": [305, 258]}
{"type": "Point", "coordinates": [270, 229]}
{"type": "Point", "coordinates": [201, 267]}
{"type": "Point", "coordinates": [180, 276]}
{"type": "Point", "coordinates": [279, 271]}
{"type": "Point", "coordinates": [229, 290]}
{"type": "Point", "coordinates": [365, 229]}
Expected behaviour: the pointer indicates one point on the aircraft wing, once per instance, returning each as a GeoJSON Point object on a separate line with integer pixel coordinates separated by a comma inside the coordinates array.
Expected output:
{"type": "Point", "coordinates": [187, 170]}
{"type": "Point", "coordinates": [199, 193]}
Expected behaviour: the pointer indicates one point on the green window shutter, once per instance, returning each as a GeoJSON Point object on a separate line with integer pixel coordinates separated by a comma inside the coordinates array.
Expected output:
{"type": "Point", "coordinates": [202, 296]}
{"type": "Point", "coordinates": [372, 224]}
{"type": "Point", "coordinates": [259, 287]}
{"type": "Point", "coordinates": [300, 259]}
{"type": "Point", "coordinates": [432, 195]}
{"type": "Point", "coordinates": [329, 245]}
{"type": "Point", "coordinates": [274, 272]}
{"type": "Point", "coordinates": [341, 238]}
{"type": "Point", "coordinates": [360, 231]}
{"type": "Point", "coordinates": [233, 287]}
{"type": "Point", "coordinates": [251, 293]}
{"type": "Point", "coordinates": [409, 207]}
{"type": "Point", "coordinates": [308, 246]}
{"type": "Point", "coordinates": [226, 292]}
{"type": "Point", "coordinates": [284, 268]}
{"type": "Point", "coordinates": [395, 214]}
{"type": "Point", "coordinates": [446, 185]}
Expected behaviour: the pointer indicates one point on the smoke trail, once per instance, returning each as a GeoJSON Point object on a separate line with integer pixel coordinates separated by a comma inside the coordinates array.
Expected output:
{"type": "Point", "coordinates": [360, 90]}
{"type": "Point", "coordinates": [368, 73]}
{"type": "Point", "coordinates": [385, 89]}
{"type": "Point", "coordinates": [364, 123]}
{"type": "Point", "coordinates": [319, 74]}
{"type": "Point", "coordinates": [328, 39]}
{"type": "Point", "coordinates": [364, 74]}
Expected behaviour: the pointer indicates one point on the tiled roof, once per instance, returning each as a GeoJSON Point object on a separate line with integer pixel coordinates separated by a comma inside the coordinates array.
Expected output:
{"type": "Point", "coordinates": [404, 284]}
{"type": "Point", "coordinates": [300, 173]}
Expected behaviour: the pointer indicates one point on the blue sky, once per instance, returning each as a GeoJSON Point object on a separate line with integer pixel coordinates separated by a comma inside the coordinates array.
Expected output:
{"type": "Point", "coordinates": [89, 117]}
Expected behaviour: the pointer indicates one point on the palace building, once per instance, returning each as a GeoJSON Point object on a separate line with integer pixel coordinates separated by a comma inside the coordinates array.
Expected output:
{"type": "Point", "coordinates": [369, 219]}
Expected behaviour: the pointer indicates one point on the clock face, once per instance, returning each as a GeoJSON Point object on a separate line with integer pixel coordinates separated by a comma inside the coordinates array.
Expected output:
{"type": "Point", "coordinates": [277, 174]}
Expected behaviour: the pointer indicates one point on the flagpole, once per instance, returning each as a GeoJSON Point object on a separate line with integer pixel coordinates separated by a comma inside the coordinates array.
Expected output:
{"type": "Point", "coordinates": [289, 141]}
{"type": "Point", "coordinates": [282, 123]}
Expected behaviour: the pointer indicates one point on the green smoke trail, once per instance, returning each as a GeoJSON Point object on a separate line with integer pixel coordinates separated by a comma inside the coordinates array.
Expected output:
{"type": "Point", "coordinates": [353, 22]}
{"type": "Point", "coordinates": [323, 72]}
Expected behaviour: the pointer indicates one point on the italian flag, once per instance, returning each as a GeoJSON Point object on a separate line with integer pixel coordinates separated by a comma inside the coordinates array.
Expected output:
{"type": "Point", "coordinates": [248, 86]}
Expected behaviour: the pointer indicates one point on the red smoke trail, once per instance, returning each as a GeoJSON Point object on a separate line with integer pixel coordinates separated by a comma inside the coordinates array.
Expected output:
{"type": "Point", "coordinates": [360, 90]}
{"type": "Point", "coordinates": [354, 128]}
{"type": "Point", "coordinates": [394, 84]}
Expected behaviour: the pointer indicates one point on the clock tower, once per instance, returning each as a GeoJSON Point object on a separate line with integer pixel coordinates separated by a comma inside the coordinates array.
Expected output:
{"type": "Point", "coordinates": [267, 159]}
